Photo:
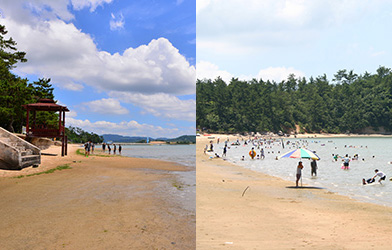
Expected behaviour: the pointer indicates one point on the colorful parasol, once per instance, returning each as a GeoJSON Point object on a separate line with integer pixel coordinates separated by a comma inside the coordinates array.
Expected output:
{"type": "Point", "coordinates": [300, 153]}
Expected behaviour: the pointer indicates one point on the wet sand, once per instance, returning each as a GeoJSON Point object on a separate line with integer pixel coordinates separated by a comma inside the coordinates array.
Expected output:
{"type": "Point", "coordinates": [271, 216]}
{"type": "Point", "coordinates": [100, 203]}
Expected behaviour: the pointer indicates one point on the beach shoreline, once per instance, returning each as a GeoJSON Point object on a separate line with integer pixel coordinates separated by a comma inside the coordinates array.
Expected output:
{"type": "Point", "coordinates": [298, 136]}
{"type": "Point", "coordinates": [99, 202]}
{"type": "Point", "coordinates": [270, 214]}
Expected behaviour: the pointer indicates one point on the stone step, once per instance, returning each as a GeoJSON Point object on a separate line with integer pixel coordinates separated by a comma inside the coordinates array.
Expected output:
{"type": "Point", "coordinates": [26, 152]}
{"type": "Point", "coordinates": [29, 160]}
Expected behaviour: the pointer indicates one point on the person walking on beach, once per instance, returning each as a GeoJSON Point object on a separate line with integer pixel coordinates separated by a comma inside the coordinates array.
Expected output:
{"type": "Point", "coordinates": [92, 147]}
{"type": "Point", "coordinates": [224, 151]}
{"type": "Point", "coordinates": [114, 149]}
{"type": "Point", "coordinates": [313, 166]}
{"type": "Point", "coordinates": [299, 172]}
{"type": "Point", "coordinates": [119, 149]}
{"type": "Point", "coordinates": [103, 147]}
{"type": "Point", "coordinates": [87, 147]}
{"type": "Point", "coordinates": [109, 149]}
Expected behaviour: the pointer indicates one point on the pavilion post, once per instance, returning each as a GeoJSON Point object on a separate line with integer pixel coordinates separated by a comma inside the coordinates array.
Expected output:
{"type": "Point", "coordinates": [64, 136]}
{"type": "Point", "coordinates": [34, 120]}
{"type": "Point", "coordinates": [27, 122]}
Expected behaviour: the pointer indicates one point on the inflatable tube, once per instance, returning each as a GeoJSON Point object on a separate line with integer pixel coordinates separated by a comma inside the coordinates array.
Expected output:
{"type": "Point", "coordinates": [252, 154]}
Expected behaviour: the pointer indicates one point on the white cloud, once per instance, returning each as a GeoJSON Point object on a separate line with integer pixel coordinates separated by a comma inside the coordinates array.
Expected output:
{"type": "Point", "coordinates": [117, 23]}
{"type": "Point", "coordinates": [259, 25]}
{"type": "Point", "coordinates": [278, 74]}
{"type": "Point", "coordinates": [59, 50]}
{"type": "Point", "coordinates": [71, 113]}
{"type": "Point", "coordinates": [67, 55]}
{"type": "Point", "coordinates": [201, 4]}
{"type": "Point", "coordinates": [127, 128]}
{"type": "Point", "coordinates": [160, 105]}
{"type": "Point", "coordinates": [92, 4]}
{"type": "Point", "coordinates": [20, 10]}
{"type": "Point", "coordinates": [105, 106]}
{"type": "Point", "coordinates": [211, 71]}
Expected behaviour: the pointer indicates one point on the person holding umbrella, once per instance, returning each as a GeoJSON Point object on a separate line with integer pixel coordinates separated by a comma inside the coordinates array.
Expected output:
{"type": "Point", "coordinates": [299, 172]}
{"type": "Point", "coordinates": [300, 153]}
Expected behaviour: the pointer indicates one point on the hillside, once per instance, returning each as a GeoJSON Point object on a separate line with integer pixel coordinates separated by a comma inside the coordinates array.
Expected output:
{"type": "Point", "coordinates": [136, 139]}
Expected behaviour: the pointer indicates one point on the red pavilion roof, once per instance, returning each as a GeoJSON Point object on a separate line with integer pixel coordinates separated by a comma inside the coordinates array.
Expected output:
{"type": "Point", "coordinates": [45, 105]}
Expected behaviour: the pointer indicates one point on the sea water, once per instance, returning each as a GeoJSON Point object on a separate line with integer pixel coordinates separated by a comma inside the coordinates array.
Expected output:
{"type": "Point", "coordinates": [373, 153]}
{"type": "Point", "coordinates": [181, 154]}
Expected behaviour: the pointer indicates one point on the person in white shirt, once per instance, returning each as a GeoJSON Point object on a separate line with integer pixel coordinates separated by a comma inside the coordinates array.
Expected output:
{"type": "Point", "coordinates": [379, 174]}
{"type": "Point", "coordinates": [373, 179]}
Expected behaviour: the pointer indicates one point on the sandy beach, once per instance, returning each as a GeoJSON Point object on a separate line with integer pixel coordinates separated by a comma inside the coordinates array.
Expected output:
{"type": "Point", "coordinates": [99, 203]}
{"type": "Point", "coordinates": [271, 216]}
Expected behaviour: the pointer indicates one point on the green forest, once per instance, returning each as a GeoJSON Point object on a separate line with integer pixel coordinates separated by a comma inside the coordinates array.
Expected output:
{"type": "Point", "coordinates": [16, 91]}
{"type": "Point", "coordinates": [350, 103]}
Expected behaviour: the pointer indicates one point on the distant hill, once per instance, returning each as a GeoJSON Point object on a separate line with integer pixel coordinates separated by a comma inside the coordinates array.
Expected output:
{"type": "Point", "coordinates": [121, 138]}
{"type": "Point", "coordinates": [184, 139]}
{"type": "Point", "coordinates": [135, 139]}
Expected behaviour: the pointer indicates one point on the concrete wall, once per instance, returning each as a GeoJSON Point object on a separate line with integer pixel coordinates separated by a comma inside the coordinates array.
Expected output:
{"type": "Point", "coordinates": [9, 154]}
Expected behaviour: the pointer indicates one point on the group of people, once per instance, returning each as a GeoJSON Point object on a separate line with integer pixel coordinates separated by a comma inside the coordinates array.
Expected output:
{"type": "Point", "coordinates": [373, 179]}
{"type": "Point", "coordinates": [104, 145]}
{"type": "Point", "coordinates": [89, 148]}
{"type": "Point", "coordinates": [253, 154]}
{"type": "Point", "coordinates": [313, 167]}
{"type": "Point", "coordinates": [313, 164]}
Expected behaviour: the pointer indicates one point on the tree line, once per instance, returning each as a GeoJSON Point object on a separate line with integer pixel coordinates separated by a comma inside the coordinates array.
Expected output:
{"type": "Point", "coordinates": [350, 103]}
{"type": "Point", "coordinates": [78, 135]}
{"type": "Point", "coordinates": [16, 91]}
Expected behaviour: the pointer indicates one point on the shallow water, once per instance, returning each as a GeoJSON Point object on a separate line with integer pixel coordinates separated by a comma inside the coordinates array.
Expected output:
{"type": "Point", "coordinates": [375, 152]}
{"type": "Point", "coordinates": [182, 154]}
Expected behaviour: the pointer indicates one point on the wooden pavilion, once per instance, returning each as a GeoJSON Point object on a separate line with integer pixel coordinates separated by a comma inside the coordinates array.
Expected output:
{"type": "Point", "coordinates": [43, 130]}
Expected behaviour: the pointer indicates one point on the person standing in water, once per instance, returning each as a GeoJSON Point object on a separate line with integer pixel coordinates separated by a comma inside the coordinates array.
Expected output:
{"type": "Point", "coordinates": [346, 162]}
{"type": "Point", "coordinates": [224, 151]}
{"type": "Point", "coordinates": [119, 149]}
{"type": "Point", "coordinates": [262, 156]}
{"type": "Point", "coordinates": [299, 172]}
{"type": "Point", "coordinates": [313, 166]}
{"type": "Point", "coordinates": [252, 153]}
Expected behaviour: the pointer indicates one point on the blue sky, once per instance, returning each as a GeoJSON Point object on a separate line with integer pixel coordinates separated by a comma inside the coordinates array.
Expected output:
{"type": "Point", "coordinates": [270, 39]}
{"type": "Point", "coordinates": [124, 67]}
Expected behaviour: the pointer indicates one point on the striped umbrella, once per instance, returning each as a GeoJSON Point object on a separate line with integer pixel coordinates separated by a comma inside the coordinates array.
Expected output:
{"type": "Point", "coordinates": [300, 153]}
